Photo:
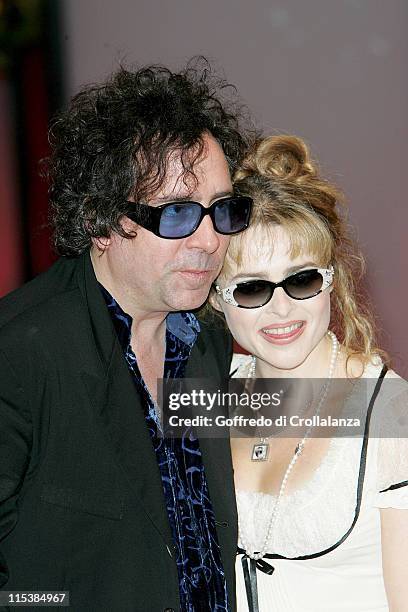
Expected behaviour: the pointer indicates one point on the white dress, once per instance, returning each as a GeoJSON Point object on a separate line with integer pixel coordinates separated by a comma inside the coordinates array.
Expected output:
{"type": "Point", "coordinates": [326, 547]}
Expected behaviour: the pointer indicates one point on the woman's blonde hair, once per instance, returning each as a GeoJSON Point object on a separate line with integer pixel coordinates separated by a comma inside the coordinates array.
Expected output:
{"type": "Point", "coordinates": [288, 191]}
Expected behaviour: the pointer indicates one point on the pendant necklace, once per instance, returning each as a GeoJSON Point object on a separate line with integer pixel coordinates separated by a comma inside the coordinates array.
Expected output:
{"type": "Point", "coordinates": [298, 451]}
{"type": "Point", "coordinates": [260, 450]}
{"type": "Point", "coordinates": [264, 449]}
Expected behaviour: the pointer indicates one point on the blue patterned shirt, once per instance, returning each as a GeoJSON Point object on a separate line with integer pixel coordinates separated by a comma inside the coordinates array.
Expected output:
{"type": "Point", "coordinates": [201, 575]}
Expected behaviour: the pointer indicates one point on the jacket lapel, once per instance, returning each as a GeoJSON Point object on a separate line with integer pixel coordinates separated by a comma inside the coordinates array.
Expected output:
{"type": "Point", "coordinates": [117, 407]}
{"type": "Point", "coordinates": [216, 454]}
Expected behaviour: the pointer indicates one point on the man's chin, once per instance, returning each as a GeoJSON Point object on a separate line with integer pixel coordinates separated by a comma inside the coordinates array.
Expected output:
{"type": "Point", "coordinates": [190, 300]}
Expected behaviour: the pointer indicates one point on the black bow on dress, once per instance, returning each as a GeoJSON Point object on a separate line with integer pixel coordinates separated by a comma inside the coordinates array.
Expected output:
{"type": "Point", "coordinates": [250, 566]}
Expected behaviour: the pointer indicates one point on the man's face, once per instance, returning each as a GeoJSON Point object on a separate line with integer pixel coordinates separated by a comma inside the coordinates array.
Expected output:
{"type": "Point", "coordinates": [155, 274]}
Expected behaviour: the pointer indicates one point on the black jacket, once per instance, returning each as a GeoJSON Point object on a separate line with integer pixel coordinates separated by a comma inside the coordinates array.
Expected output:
{"type": "Point", "coordinates": [81, 499]}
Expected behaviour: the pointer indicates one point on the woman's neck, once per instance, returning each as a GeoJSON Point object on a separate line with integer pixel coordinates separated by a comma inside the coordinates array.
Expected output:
{"type": "Point", "coordinates": [316, 364]}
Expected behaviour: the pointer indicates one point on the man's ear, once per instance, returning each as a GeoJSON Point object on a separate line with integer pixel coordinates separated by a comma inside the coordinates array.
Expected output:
{"type": "Point", "coordinates": [215, 300]}
{"type": "Point", "coordinates": [128, 225]}
{"type": "Point", "coordinates": [101, 244]}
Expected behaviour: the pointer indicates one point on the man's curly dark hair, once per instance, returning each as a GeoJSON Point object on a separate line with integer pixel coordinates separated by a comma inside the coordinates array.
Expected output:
{"type": "Point", "coordinates": [114, 140]}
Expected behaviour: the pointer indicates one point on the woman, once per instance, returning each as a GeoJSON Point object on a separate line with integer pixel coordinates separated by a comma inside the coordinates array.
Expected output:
{"type": "Point", "coordinates": [322, 520]}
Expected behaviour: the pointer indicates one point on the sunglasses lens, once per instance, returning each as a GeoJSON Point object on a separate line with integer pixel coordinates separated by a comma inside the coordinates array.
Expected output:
{"type": "Point", "coordinates": [304, 285]}
{"type": "Point", "coordinates": [179, 220]}
{"type": "Point", "coordinates": [253, 293]}
{"type": "Point", "coordinates": [231, 215]}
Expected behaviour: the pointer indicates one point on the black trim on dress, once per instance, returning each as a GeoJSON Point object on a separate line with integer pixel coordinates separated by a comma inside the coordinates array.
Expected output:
{"type": "Point", "coordinates": [398, 485]}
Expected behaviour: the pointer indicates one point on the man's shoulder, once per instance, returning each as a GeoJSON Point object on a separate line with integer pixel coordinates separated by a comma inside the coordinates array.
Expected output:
{"type": "Point", "coordinates": [214, 337]}
{"type": "Point", "coordinates": [42, 297]}
{"type": "Point", "coordinates": [213, 326]}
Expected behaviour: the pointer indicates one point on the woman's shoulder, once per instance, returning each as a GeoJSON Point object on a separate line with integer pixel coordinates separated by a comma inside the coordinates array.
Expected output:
{"type": "Point", "coordinates": [388, 424]}
{"type": "Point", "coordinates": [389, 394]}
{"type": "Point", "coordinates": [371, 368]}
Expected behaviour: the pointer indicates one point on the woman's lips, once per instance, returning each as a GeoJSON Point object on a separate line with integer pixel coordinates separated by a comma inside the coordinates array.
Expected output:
{"type": "Point", "coordinates": [284, 333]}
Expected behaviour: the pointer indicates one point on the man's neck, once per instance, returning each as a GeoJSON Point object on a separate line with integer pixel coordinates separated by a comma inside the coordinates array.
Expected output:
{"type": "Point", "coordinates": [146, 323]}
{"type": "Point", "coordinates": [148, 331]}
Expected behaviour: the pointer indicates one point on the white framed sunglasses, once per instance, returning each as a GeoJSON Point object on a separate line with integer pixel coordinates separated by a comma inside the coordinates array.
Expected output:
{"type": "Point", "coordinates": [255, 293]}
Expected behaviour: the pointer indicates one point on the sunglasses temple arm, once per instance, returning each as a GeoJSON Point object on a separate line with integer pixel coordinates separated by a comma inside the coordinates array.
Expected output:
{"type": "Point", "coordinates": [144, 215]}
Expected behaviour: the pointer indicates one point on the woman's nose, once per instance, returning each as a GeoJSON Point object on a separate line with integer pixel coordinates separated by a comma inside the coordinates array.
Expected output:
{"type": "Point", "coordinates": [280, 303]}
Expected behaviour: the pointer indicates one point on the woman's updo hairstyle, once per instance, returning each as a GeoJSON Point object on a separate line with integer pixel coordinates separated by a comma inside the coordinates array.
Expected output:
{"type": "Point", "coordinates": [288, 191]}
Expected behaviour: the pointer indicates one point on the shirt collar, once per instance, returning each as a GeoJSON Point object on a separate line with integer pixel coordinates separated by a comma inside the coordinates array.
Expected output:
{"type": "Point", "coordinates": [182, 325]}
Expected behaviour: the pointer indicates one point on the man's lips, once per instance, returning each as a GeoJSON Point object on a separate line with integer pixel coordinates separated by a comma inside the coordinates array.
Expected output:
{"type": "Point", "coordinates": [197, 273]}
{"type": "Point", "coordinates": [197, 277]}
{"type": "Point", "coordinates": [283, 333]}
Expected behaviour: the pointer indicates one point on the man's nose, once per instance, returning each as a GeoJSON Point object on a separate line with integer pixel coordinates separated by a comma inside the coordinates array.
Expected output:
{"type": "Point", "coordinates": [205, 237]}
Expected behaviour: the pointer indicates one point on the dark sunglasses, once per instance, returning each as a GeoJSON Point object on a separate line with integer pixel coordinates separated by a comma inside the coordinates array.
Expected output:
{"type": "Point", "coordinates": [256, 293]}
{"type": "Point", "coordinates": [181, 219]}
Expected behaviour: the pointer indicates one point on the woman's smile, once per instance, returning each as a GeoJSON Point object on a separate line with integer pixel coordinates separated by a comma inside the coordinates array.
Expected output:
{"type": "Point", "coordinates": [283, 333]}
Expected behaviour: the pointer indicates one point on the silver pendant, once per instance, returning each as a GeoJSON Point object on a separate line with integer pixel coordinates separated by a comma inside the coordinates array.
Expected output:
{"type": "Point", "coordinates": [260, 451]}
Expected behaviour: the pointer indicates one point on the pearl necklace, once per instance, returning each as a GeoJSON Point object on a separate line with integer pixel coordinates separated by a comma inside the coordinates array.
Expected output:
{"type": "Point", "coordinates": [298, 451]}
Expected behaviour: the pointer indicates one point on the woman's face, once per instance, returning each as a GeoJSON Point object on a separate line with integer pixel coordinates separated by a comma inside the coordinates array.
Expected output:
{"type": "Point", "coordinates": [261, 331]}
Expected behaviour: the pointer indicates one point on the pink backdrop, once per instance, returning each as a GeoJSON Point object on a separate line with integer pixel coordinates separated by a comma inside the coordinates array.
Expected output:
{"type": "Point", "coordinates": [332, 72]}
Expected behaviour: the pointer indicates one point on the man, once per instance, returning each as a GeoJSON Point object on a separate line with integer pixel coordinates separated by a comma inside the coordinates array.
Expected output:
{"type": "Point", "coordinates": [93, 500]}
